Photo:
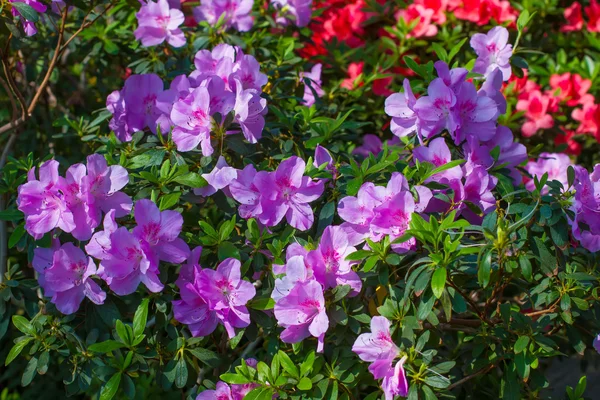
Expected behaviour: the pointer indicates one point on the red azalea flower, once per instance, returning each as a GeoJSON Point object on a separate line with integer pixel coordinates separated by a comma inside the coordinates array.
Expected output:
{"type": "Point", "coordinates": [588, 118]}
{"type": "Point", "coordinates": [424, 17]}
{"type": "Point", "coordinates": [593, 13]}
{"type": "Point", "coordinates": [536, 107]}
{"type": "Point", "coordinates": [573, 17]}
{"type": "Point", "coordinates": [573, 146]}
{"type": "Point", "coordinates": [573, 88]}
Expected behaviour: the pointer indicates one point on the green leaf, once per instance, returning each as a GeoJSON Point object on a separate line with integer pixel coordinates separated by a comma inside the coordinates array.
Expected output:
{"type": "Point", "coordinates": [234, 378]}
{"type": "Point", "coordinates": [192, 180]}
{"type": "Point", "coordinates": [288, 365]}
{"type": "Point", "coordinates": [526, 267]}
{"type": "Point", "coordinates": [106, 346]}
{"type": "Point", "coordinates": [454, 51]}
{"type": "Point", "coordinates": [340, 292]}
{"type": "Point", "coordinates": [521, 344]}
{"type": "Point", "coordinates": [112, 386]}
{"type": "Point", "coordinates": [228, 250]}
{"type": "Point", "coordinates": [307, 364]}
{"type": "Point", "coordinates": [444, 167]}
{"type": "Point", "coordinates": [485, 268]}
{"type": "Point", "coordinates": [140, 318]}
{"type": "Point", "coordinates": [29, 372]}
{"type": "Point", "coordinates": [22, 324]}
{"type": "Point", "coordinates": [304, 384]}
{"type": "Point", "coordinates": [16, 349]}
{"type": "Point", "coordinates": [169, 200]}
{"type": "Point", "coordinates": [11, 214]}
{"type": "Point", "coordinates": [26, 11]}
{"type": "Point", "coordinates": [265, 303]}
{"type": "Point", "coordinates": [16, 236]}
{"type": "Point", "coordinates": [359, 255]}
{"type": "Point", "coordinates": [123, 333]}
{"type": "Point", "coordinates": [181, 373]}
{"type": "Point", "coordinates": [438, 282]}
{"type": "Point", "coordinates": [208, 357]}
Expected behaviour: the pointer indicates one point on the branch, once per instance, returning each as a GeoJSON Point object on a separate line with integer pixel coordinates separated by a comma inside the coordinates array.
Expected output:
{"type": "Point", "coordinates": [469, 377]}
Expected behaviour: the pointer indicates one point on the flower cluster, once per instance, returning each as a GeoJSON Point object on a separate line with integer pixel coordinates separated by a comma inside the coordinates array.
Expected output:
{"type": "Point", "coordinates": [235, 13]}
{"type": "Point", "coordinates": [73, 203]}
{"type": "Point", "coordinates": [378, 348]}
{"type": "Point", "coordinates": [210, 297]}
{"type": "Point", "coordinates": [225, 81]}
{"type": "Point", "coordinates": [575, 20]}
{"type": "Point", "coordinates": [158, 22]}
{"type": "Point", "coordinates": [299, 292]}
{"type": "Point", "coordinates": [298, 11]}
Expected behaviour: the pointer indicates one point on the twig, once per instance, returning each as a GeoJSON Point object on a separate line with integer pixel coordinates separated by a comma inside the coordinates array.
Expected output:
{"type": "Point", "coordinates": [469, 377]}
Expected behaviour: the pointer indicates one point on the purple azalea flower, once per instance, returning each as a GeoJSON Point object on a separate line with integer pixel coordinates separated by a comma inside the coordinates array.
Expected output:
{"type": "Point", "coordinates": [287, 192]}
{"type": "Point", "coordinates": [28, 26]}
{"type": "Point", "coordinates": [359, 211]}
{"type": "Point", "coordinates": [436, 109]}
{"type": "Point", "coordinates": [193, 309]}
{"type": "Point", "coordinates": [475, 115]}
{"type": "Point", "coordinates": [157, 23]}
{"type": "Point", "coordinates": [300, 10]}
{"type": "Point", "coordinates": [66, 277]}
{"type": "Point", "coordinates": [296, 271]}
{"type": "Point", "coordinates": [246, 71]}
{"type": "Point", "coordinates": [227, 294]}
{"type": "Point", "coordinates": [42, 201]}
{"type": "Point", "coordinates": [244, 190]}
{"type": "Point", "coordinates": [191, 116]}
{"type": "Point", "coordinates": [379, 349]}
{"type": "Point", "coordinates": [178, 90]}
{"type": "Point", "coordinates": [586, 225]}
{"type": "Point", "coordinates": [597, 343]}
{"type": "Point", "coordinates": [323, 156]}
{"type": "Point", "coordinates": [512, 154]}
{"type": "Point", "coordinates": [555, 164]}
{"type": "Point", "coordinates": [236, 13]}
{"type": "Point", "coordinates": [249, 110]}
{"type": "Point", "coordinates": [400, 106]}
{"type": "Point", "coordinates": [493, 52]}
{"type": "Point", "coordinates": [452, 78]}
{"type": "Point", "coordinates": [438, 154]}
{"type": "Point", "coordinates": [302, 313]}
{"type": "Point", "coordinates": [220, 62]}
{"type": "Point", "coordinates": [218, 179]}
{"type": "Point", "coordinates": [100, 243]}
{"type": "Point", "coordinates": [393, 216]}
{"type": "Point", "coordinates": [186, 273]}
{"type": "Point", "coordinates": [371, 145]}
{"type": "Point", "coordinates": [314, 85]}
{"type": "Point", "coordinates": [492, 88]}
{"type": "Point", "coordinates": [329, 263]}
{"type": "Point", "coordinates": [477, 190]}
{"type": "Point", "coordinates": [222, 392]}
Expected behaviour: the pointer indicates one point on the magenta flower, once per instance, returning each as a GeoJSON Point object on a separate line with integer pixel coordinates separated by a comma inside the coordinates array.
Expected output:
{"type": "Point", "coordinates": [246, 70]}
{"type": "Point", "coordinates": [42, 202]}
{"type": "Point", "coordinates": [191, 116]}
{"type": "Point", "coordinates": [244, 190]}
{"type": "Point", "coordinates": [218, 179]}
{"type": "Point", "coordinates": [67, 277]}
{"type": "Point", "coordinates": [512, 154]}
{"type": "Point", "coordinates": [100, 243]}
{"type": "Point", "coordinates": [192, 309]}
{"type": "Point", "coordinates": [220, 62]}
{"type": "Point", "coordinates": [475, 115]}
{"type": "Point", "coordinates": [394, 215]}
{"type": "Point", "coordinates": [178, 90]}
{"type": "Point", "coordinates": [236, 13]}
{"type": "Point", "coordinates": [28, 26]}
{"type": "Point", "coordinates": [400, 106]}
{"type": "Point", "coordinates": [299, 10]}
{"type": "Point", "coordinates": [379, 349]}
{"type": "Point", "coordinates": [302, 314]}
{"type": "Point", "coordinates": [223, 392]}
{"type": "Point", "coordinates": [296, 271]}
{"type": "Point", "coordinates": [359, 211]}
{"type": "Point", "coordinates": [476, 190]}
{"type": "Point", "coordinates": [555, 164]}
{"type": "Point", "coordinates": [314, 85]}
{"type": "Point", "coordinates": [371, 145]}
{"type": "Point", "coordinates": [226, 293]}
{"type": "Point", "coordinates": [287, 192]}
{"type": "Point", "coordinates": [597, 343]}
{"type": "Point", "coordinates": [493, 52]}
{"type": "Point", "coordinates": [329, 262]}
{"type": "Point", "coordinates": [438, 154]}
{"type": "Point", "coordinates": [452, 78]}
{"type": "Point", "coordinates": [186, 273]}
{"type": "Point", "coordinates": [157, 23]}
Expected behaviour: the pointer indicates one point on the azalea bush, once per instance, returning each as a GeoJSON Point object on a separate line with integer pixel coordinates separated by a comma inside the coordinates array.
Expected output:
{"type": "Point", "coordinates": [296, 199]}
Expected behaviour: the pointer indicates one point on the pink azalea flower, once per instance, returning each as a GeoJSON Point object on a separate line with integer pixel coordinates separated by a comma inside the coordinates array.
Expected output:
{"type": "Point", "coordinates": [226, 293]}
{"type": "Point", "coordinates": [193, 309]}
{"type": "Point", "coordinates": [435, 109]}
{"type": "Point", "coordinates": [287, 192]}
{"type": "Point", "coordinates": [249, 110]}
{"type": "Point", "coordinates": [536, 107]}
{"type": "Point", "coordinates": [65, 275]}
{"type": "Point", "coordinates": [295, 271]}
{"type": "Point", "coordinates": [589, 119]}
{"type": "Point", "coordinates": [42, 201]}
{"type": "Point", "coordinates": [438, 154]}
{"type": "Point", "coordinates": [222, 392]}
{"type": "Point", "coordinates": [244, 190]}
{"type": "Point", "coordinates": [236, 13]}
{"type": "Point", "coordinates": [593, 13]}
{"type": "Point", "coordinates": [424, 16]}
{"type": "Point", "coordinates": [493, 52]}
{"type": "Point", "coordinates": [572, 88]}
{"type": "Point", "coordinates": [191, 116]}
{"type": "Point", "coordinates": [157, 23]}
{"type": "Point", "coordinates": [302, 313]}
